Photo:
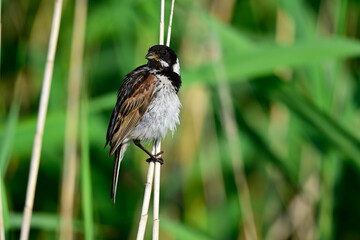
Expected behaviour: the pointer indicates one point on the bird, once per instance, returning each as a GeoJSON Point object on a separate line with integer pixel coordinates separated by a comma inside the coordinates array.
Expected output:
{"type": "Point", "coordinates": [147, 107]}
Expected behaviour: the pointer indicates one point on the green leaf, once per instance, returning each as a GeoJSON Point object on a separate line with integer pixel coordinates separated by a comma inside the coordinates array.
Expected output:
{"type": "Point", "coordinates": [266, 59]}
{"type": "Point", "coordinates": [44, 221]}
{"type": "Point", "coordinates": [324, 124]}
{"type": "Point", "coordinates": [181, 231]}
{"type": "Point", "coordinates": [8, 137]}
{"type": "Point", "coordinates": [4, 205]}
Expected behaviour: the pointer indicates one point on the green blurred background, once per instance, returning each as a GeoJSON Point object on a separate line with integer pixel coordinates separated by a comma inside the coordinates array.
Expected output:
{"type": "Point", "coordinates": [269, 139]}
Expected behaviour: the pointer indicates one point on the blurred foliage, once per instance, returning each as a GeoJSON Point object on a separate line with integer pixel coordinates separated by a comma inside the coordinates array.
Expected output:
{"type": "Point", "coordinates": [270, 93]}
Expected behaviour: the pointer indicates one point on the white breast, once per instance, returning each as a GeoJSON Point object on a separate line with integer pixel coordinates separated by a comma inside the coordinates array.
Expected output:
{"type": "Point", "coordinates": [162, 114]}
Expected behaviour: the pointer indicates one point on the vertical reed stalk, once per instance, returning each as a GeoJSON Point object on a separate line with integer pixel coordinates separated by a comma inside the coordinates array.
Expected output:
{"type": "Point", "coordinates": [146, 202]}
{"type": "Point", "coordinates": [162, 22]}
{"type": "Point", "coordinates": [154, 168]}
{"type": "Point", "coordinates": [72, 120]}
{"type": "Point", "coordinates": [156, 221]}
{"type": "Point", "coordinates": [231, 131]}
{"type": "Point", "coordinates": [44, 99]}
{"type": "Point", "coordinates": [170, 23]}
{"type": "Point", "coordinates": [156, 148]}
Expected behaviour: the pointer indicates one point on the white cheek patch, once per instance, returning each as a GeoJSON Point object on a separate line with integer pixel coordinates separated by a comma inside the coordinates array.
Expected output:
{"type": "Point", "coordinates": [176, 67]}
{"type": "Point", "coordinates": [164, 64]}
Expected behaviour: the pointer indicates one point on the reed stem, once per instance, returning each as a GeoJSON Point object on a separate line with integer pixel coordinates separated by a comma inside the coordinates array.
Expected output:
{"type": "Point", "coordinates": [72, 121]}
{"type": "Point", "coordinates": [154, 168]}
{"type": "Point", "coordinates": [156, 218]}
{"type": "Point", "coordinates": [170, 23]}
{"type": "Point", "coordinates": [44, 99]}
{"type": "Point", "coordinates": [146, 202]}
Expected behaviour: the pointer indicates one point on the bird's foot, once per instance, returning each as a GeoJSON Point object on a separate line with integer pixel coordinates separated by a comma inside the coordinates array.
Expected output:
{"type": "Point", "coordinates": [156, 158]}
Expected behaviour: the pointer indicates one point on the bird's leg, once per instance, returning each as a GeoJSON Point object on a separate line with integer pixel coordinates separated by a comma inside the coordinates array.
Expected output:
{"type": "Point", "coordinates": [153, 157]}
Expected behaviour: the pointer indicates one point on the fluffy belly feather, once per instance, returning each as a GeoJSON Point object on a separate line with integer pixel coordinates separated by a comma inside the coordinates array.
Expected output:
{"type": "Point", "coordinates": [161, 116]}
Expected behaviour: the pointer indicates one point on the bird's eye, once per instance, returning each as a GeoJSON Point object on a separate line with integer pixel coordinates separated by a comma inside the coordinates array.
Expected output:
{"type": "Point", "coordinates": [163, 52]}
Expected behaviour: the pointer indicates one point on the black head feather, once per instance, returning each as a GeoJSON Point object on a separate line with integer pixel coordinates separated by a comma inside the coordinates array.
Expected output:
{"type": "Point", "coordinates": [161, 56]}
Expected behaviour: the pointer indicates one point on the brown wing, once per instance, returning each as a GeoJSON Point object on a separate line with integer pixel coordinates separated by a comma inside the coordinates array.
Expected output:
{"type": "Point", "coordinates": [130, 112]}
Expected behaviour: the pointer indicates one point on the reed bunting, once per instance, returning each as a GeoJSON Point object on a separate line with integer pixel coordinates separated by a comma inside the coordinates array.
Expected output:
{"type": "Point", "coordinates": [147, 106]}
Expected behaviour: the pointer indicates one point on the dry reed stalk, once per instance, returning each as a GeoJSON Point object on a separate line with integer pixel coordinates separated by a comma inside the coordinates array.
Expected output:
{"type": "Point", "coordinates": [231, 131]}
{"type": "Point", "coordinates": [44, 99]}
{"type": "Point", "coordinates": [211, 171]}
{"type": "Point", "coordinates": [297, 221]}
{"type": "Point", "coordinates": [157, 144]}
{"type": "Point", "coordinates": [146, 201]}
{"type": "Point", "coordinates": [72, 120]}
{"type": "Point", "coordinates": [156, 218]}
{"type": "Point", "coordinates": [154, 168]}
{"type": "Point", "coordinates": [162, 22]}
{"type": "Point", "coordinates": [170, 23]}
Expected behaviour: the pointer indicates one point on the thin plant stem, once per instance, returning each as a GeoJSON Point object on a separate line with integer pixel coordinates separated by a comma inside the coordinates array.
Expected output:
{"type": "Point", "coordinates": [162, 22]}
{"type": "Point", "coordinates": [156, 149]}
{"type": "Point", "coordinates": [72, 118]}
{"type": "Point", "coordinates": [146, 201]}
{"type": "Point", "coordinates": [170, 23]}
{"type": "Point", "coordinates": [231, 131]}
{"type": "Point", "coordinates": [154, 168]}
{"type": "Point", "coordinates": [156, 221]}
{"type": "Point", "coordinates": [44, 99]}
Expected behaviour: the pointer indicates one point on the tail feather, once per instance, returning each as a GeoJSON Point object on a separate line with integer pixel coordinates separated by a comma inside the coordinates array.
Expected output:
{"type": "Point", "coordinates": [119, 154]}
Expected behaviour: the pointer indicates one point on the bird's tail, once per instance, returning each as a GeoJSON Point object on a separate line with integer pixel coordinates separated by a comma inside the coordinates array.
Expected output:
{"type": "Point", "coordinates": [119, 154]}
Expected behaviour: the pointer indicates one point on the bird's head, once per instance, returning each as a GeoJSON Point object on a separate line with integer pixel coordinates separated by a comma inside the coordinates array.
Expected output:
{"type": "Point", "coordinates": [163, 57]}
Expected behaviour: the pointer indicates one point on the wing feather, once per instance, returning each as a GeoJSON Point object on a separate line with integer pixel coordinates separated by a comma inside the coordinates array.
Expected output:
{"type": "Point", "coordinates": [131, 110]}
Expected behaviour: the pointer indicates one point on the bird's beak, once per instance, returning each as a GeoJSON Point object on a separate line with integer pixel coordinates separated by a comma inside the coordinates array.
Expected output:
{"type": "Point", "coordinates": [151, 56]}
